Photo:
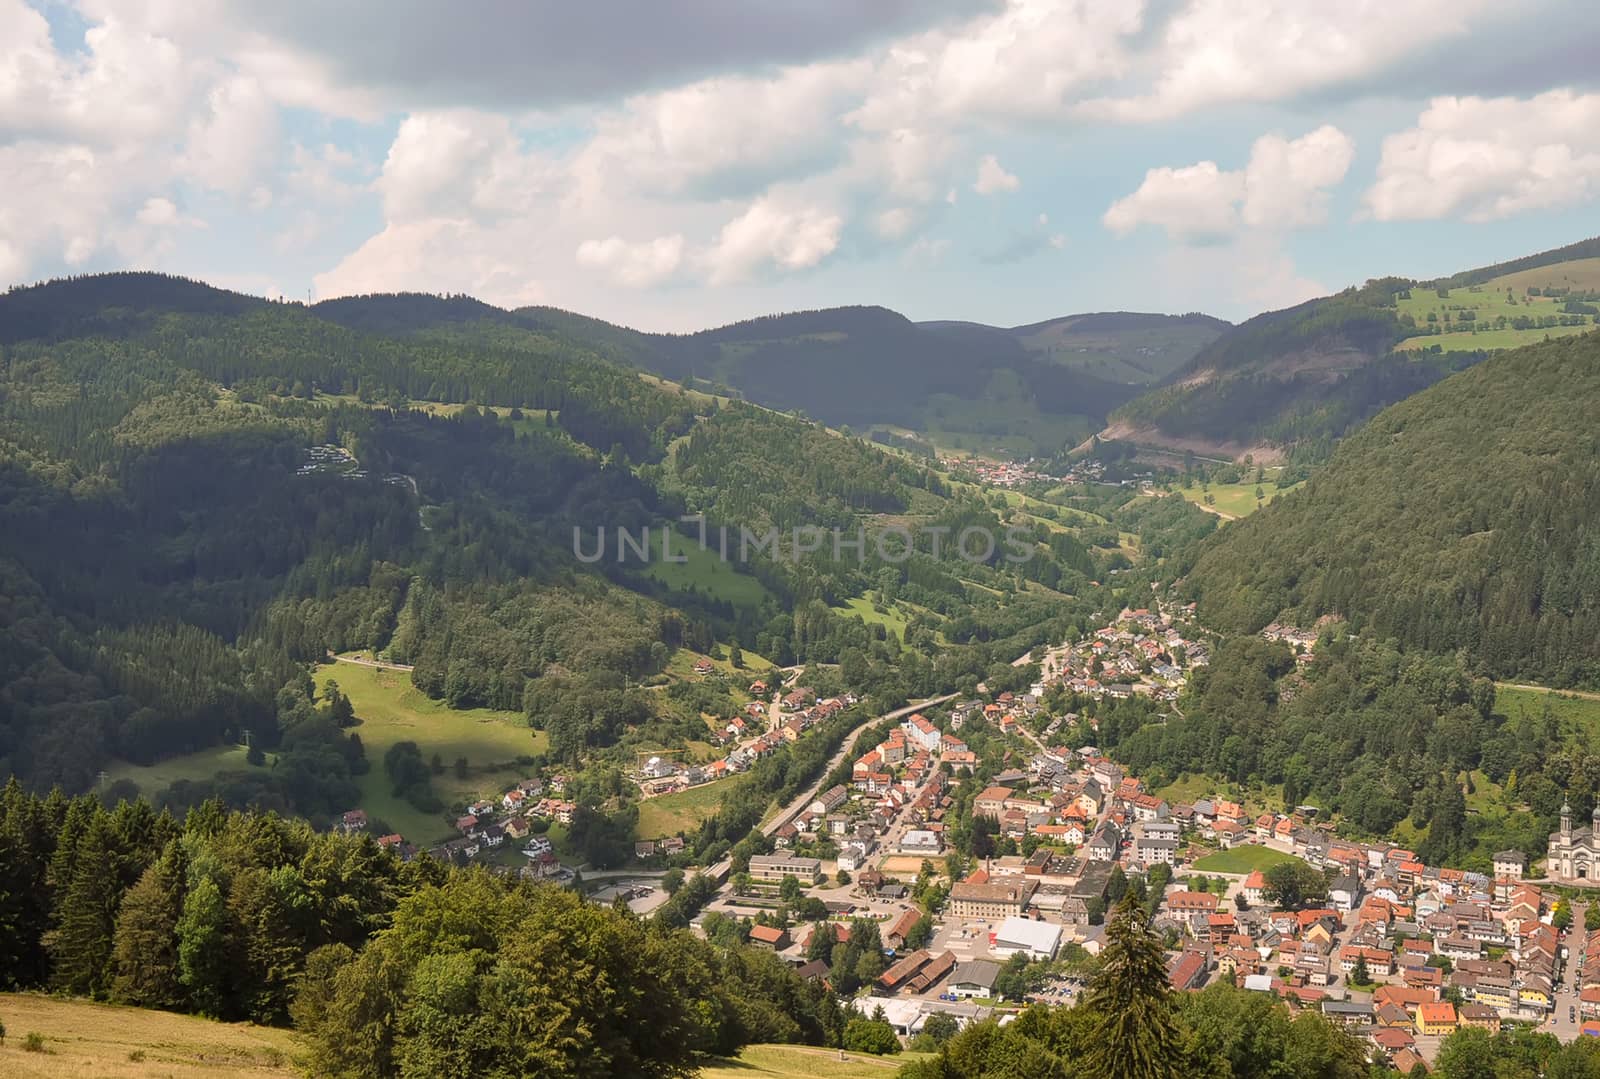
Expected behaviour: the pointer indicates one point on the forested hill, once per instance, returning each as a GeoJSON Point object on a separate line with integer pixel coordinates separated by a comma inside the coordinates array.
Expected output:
{"type": "Point", "coordinates": [202, 494]}
{"type": "Point", "coordinates": [1463, 517]}
{"type": "Point", "coordinates": [1293, 382]}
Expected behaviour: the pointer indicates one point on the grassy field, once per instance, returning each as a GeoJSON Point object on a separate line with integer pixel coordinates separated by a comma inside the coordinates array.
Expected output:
{"type": "Point", "coordinates": [104, 1042]}
{"type": "Point", "coordinates": [154, 778]}
{"type": "Point", "coordinates": [1578, 714]}
{"type": "Point", "coordinates": [891, 618]}
{"type": "Point", "coordinates": [1504, 297]}
{"type": "Point", "coordinates": [803, 1062]}
{"type": "Point", "coordinates": [1233, 499]}
{"type": "Point", "coordinates": [1487, 339]}
{"type": "Point", "coordinates": [392, 710]}
{"type": "Point", "coordinates": [683, 812]}
{"type": "Point", "coordinates": [704, 570]}
{"type": "Point", "coordinates": [1242, 860]}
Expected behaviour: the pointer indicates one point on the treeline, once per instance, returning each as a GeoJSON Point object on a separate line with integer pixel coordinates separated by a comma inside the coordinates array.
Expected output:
{"type": "Point", "coordinates": [386, 967]}
{"type": "Point", "coordinates": [1460, 518]}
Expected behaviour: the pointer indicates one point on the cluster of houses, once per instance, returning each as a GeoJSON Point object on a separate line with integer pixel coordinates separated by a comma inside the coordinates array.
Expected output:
{"type": "Point", "coordinates": [998, 473]}
{"type": "Point", "coordinates": [751, 737]}
{"type": "Point", "coordinates": [1143, 652]}
{"type": "Point", "coordinates": [897, 781]}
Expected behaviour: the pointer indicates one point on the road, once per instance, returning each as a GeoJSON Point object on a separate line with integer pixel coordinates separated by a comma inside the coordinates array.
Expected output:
{"type": "Point", "coordinates": [1567, 990]}
{"type": "Point", "coordinates": [789, 812]}
{"type": "Point", "coordinates": [376, 664]}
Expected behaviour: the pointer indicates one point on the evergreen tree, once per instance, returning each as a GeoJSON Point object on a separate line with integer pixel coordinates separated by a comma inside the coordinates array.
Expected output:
{"type": "Point", "coordinates": [1136, 1036]}
{"type": "Point", "coordinates": [80, 946]}
{"type": "Point", "coordinates": [145, 953]}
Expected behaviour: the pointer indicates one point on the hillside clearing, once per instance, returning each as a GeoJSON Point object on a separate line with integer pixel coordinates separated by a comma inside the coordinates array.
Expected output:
{"type": "Point", "coordinates": [1233, 500]}
{"type": "Point", "coordinates": [83, 1039]}
{"type": "Point", "coordinates": [392, 710]}
{"type": "Point", "coordinates": [1578, 712]}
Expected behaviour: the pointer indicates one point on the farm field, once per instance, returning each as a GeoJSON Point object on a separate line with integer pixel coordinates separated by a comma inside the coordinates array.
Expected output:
{"type": "Point", "coordinates": [108, 1042]}
{"type": "Point", "coordinates": [803, 1062]}
{"type": "Point", "coordinates": [392, 710]}
{"type": "Point", "coordinates": [1242, 860]}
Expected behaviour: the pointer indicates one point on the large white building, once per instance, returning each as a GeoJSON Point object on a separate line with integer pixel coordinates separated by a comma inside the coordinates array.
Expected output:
{"type": "Point", "coordinates": [1037, 940]}
{"type": "Point", "coordinates": [1575, 853]}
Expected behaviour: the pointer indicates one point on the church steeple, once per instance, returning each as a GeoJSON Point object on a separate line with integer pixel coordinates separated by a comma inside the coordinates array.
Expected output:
{"type": "Point", "coordinates": [1566, 818]}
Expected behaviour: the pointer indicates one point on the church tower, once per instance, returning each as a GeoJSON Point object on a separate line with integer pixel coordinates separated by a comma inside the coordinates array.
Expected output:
{"type": "Point", "coordinates": [1566, 819]}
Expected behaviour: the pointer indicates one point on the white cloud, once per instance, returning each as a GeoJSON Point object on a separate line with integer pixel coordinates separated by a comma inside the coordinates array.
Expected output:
{"type": "Point", "coordinates": [1216, 51]}
{"type": "Point", "coordinates": [1488, 158]}
{"type": "Point", "coordinates": [723, 135]}
{"type": "Point", "coordinates": [231, 144]}
{"type": "Point", "coordinates": [993, 178]}
{"type": "Point", "coordinates": [1193, 202]}
{"type": "Point", "coordinates": [770, 235]}
{"type": "Point", "coordinates": [1023, 63]}
{"type": "Point", "coordinates": [1286, 182]}
{"type": "Point", "coordinates": [459, 163]}
{"type": "Point", "coordinates": [1284, 186]}
{"type": "Point", "coordinates": [637, 265]}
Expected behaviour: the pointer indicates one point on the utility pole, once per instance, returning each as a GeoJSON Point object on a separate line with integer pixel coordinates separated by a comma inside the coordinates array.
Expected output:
{"type": "Point", "coordinates": [104, 775]}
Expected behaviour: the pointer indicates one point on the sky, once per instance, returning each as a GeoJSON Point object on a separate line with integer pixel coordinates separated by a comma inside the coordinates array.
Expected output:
{"type": "Point", "coordinates": [672, 166]}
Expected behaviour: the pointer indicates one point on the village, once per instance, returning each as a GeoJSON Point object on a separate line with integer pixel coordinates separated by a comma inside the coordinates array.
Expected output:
{"type": "Point", "coordinates": [1399, 952]}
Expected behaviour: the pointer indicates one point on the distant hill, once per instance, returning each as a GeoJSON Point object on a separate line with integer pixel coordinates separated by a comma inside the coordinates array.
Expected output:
{"type": "Point", "coordinates": [1123, 346]}
{"type": "Point", "coordinates": [1027, 390]}
{"type": "Point", "coordinates": [966, 386]}
{"type": "Point", "coordinates": [1293, 382]}
{"type": "Point", "coordinates": [1460, 518]}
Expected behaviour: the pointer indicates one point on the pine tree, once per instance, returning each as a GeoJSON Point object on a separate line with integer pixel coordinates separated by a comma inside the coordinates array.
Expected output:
{"type": "Point", "coordinates": [1136, 1035]}
{"type": "Point", "coordinates": [80, 946]}
{"type": "Point", "coordinates": [145, 952]}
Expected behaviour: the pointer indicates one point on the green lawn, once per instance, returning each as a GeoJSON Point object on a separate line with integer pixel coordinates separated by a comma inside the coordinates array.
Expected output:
{"type": "Point", "coordinates": [392, 710]}
{"type": "Point", "coordinates": [804, 1062]}
{"type": "Point", "coordinates": [683, 812]}
{"type": "Point", "coordinates": [1242, 859]}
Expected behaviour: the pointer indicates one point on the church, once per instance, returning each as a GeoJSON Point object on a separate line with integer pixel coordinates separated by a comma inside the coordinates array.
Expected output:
{"type": "Point", "coordinates": [1575, 855]}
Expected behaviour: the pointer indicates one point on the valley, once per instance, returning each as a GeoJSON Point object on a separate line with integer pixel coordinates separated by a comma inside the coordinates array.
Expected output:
{"type": "Point", "coordinates": [425, 667]}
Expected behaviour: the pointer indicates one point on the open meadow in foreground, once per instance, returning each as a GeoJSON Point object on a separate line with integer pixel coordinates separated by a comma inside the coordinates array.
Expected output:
{"type": "Point", "coordinates": [102, 1041]}
{"type": "Point", "coordinates": [804, 1062]}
